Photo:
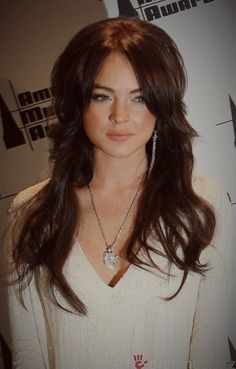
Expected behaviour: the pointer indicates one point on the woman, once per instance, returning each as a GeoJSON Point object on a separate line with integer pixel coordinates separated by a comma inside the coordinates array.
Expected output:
{"type": "Point", "coordinates": [119, 256]}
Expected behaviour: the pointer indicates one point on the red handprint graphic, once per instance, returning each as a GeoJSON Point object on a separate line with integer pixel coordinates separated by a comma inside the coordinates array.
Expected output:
{"type": "Point", "coordinates": [139, 363]}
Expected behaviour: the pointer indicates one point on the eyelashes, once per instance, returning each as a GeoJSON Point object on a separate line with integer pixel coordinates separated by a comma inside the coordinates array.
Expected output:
{"type": "Point", "coordinates": [139, 99]}
{"type": "Point", "coordinates": [102, 97]}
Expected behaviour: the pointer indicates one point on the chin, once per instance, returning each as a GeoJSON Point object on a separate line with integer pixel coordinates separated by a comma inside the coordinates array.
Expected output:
{"type": "Point", "coordinates": [123, 154]}
{"type": "Point", "coordinates": [122, 151]}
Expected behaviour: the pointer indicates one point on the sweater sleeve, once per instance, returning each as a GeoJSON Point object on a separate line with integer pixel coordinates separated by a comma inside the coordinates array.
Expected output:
{"type": "Point", "coordinates": [25, 336]}
{"type": "Point", "coordinates": [211, 327]}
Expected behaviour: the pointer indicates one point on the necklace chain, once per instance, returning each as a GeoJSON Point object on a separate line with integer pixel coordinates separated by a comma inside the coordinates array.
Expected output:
{"type": "Point", "coordinates": [109, 258]}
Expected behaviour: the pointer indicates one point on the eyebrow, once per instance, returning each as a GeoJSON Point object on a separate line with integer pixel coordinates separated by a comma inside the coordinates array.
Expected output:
{"type": "Point", "coordinates": [111, 90]}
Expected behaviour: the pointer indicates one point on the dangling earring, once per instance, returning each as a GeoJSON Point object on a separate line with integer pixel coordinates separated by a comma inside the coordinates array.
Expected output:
{"type": "Point", "coordinates": [154, 144]}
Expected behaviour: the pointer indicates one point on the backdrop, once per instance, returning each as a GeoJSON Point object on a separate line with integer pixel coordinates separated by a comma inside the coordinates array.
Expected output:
{"type": "Point", "coordinates": [34, 33]}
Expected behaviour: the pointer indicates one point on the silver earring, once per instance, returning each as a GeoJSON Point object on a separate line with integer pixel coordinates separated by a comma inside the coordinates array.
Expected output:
{"type": "Point", "coordinates": [154, 145]}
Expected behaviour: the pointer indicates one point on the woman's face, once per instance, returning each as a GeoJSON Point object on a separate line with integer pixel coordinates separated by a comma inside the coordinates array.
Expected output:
{"type": "Point", "coordinates": [117, 120]}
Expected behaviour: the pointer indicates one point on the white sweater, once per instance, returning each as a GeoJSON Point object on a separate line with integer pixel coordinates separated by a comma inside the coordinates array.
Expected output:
{"type": "Point", "coordinates": [131, 319]}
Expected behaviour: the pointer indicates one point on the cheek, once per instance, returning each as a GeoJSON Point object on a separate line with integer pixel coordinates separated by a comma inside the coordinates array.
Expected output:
{"type": "Point", "coordinates": [93, 117]}
{"type": "Point", "coordinates": [89, 119]}
{"type": "Point", "coordinates": [149, 123]}
{"type": "Point", "coordinates": [93, 126]}
{"type": "Point", "coordinates": [148, 128]}
{"type": "Point", "coordinates": [88, 123]}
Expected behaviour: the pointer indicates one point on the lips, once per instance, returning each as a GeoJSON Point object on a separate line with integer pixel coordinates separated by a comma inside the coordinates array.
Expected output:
{"type": "Point", "coordinates": [119, 136]}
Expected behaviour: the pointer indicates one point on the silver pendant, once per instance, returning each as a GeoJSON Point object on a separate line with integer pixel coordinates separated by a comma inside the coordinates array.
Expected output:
{"type": "Point", "coordinates": [111, 260]}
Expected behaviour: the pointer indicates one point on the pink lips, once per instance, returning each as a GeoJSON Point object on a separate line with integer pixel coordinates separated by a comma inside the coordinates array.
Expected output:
{"type": "Point", "coordinates": [119, 136]}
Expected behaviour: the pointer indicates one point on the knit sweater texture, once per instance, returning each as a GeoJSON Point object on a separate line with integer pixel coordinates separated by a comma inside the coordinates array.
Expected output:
{"type": "Point", "coordinates": [131, 325]}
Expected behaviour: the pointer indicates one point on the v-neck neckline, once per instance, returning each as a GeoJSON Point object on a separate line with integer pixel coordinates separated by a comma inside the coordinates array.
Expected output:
{"type": "Point", "coordinates": [96, 276]}
{"type": "Point", "coordinates": [108, 305]}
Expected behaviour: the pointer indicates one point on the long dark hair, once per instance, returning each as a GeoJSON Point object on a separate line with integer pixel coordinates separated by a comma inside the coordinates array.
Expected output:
{"type": "Point", "coordinates": [173, 215]}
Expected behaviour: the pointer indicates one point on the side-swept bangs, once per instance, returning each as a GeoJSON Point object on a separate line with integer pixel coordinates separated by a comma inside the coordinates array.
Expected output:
{"type": "Point", "coordinates": [152, 53]}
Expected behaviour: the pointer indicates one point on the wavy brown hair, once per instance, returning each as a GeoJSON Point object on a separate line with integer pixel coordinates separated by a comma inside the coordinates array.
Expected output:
{"type": "Point", "coordinates": [169, 211]}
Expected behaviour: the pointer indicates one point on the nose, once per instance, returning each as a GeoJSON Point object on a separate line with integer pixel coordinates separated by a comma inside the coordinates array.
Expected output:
{"type": "Point", "coordinates": [119, 112]}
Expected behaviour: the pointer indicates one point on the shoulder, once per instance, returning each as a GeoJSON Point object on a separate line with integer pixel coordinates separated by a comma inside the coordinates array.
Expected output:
{"type": "Point", "coordinates": [206, 186]}
{"type": "Point", "coordinates": [211, 191]}
{"type": "Point", "coordinates": [25, 195]}
{"type": "Point", "coordinates": [215, 195]}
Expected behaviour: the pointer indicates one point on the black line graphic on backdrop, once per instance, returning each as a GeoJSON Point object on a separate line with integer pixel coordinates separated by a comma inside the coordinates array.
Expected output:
{"type": "Point", "coordinates": [29, 120]}
{"type": "Point", "coordinates": [33, 118]}
{"type": "Point", "coordinates": [150, 10]}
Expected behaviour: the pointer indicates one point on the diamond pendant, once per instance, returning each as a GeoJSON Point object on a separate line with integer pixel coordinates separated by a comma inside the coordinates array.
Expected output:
{"type": "Point", "coordinates": [111, 260]}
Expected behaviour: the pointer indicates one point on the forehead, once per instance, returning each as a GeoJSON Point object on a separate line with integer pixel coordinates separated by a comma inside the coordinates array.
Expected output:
{"type": "Point", "coordinates": [116, 70]}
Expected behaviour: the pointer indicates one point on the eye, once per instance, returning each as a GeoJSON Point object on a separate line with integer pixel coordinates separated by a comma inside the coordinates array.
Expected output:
{"type": "Point", "coordinates": [139, 99]}
{"type": "Point", "coordinates": [100, 97]}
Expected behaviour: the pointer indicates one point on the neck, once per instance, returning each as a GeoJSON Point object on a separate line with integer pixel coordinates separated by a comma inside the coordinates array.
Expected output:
{"type": "Point", "coordinates": [118, 173]}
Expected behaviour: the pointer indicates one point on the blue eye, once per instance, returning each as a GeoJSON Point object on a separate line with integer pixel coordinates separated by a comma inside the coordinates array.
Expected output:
{"type": "Point", "coordinates": [100, 97]}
